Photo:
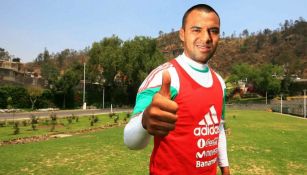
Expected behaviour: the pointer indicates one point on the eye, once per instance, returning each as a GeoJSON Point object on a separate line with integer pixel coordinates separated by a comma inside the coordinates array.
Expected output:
{"type": "Point", "coordinates": [215, 31]}
{"type": "Point", "coordinates": [196, 30]}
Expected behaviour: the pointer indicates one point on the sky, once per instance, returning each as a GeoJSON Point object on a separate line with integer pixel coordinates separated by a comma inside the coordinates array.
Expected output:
{"type": "Point", "coordinates": [27, 27]}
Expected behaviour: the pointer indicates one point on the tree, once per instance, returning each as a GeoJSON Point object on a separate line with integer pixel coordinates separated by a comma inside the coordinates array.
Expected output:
{"type": "Point", "coordinates": [67, 57]}
{"type": "Point", "coordinates": [285, 84]}
{"type": "Point", "coordinates": [66, 83]}
{"type": "Point", "coordinates": [269, 79]}
{"type": "Point", "coordinates": [39, 59]}
{"type": "Point", "coordinates": [4, 55]}
{"type": "Point", "coordinates": [273, 38]}
{"type": "Point", "coordinates": [233, 35]}
{"type": "Point", "coordinates": [34, 93]}
{"type": "Point", "coordinates": [265, 78]}
{"type": "Point", "coordinates": [61, 57]}
{"type": "Point", "coordinates": [123, 65]}
{"type": "Point", "coordinates": [141, 55]}
{"type": "Point", "coordinates": [241, 72]}
{"type": "Point", "coordinates": [46, 55]}
{"type": "Point", "coordinates": [105, 62]}
{"type": "Point", "coordinates": [50, 72]}
{"type": "Point", "coordinates": [3, 96]}
{"type": "Point", "coordinates": [161, 33]}
{"type": "Point", "coordinates": [286, 25]}
{"type": "Point", "coordinates": [245, 33]}
{"type": "Point", "coordinates": [106, 59]}
{"type": "Point", "coordinates": [267, 31]}
{"type": "Point", "coordinates": [43, 57]}
{"type": "Point", "coordinates": [18, 95]}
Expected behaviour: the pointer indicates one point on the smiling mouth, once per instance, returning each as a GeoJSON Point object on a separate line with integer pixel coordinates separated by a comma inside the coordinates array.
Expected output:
{"type": "Point", "coordinates": [203, 48]}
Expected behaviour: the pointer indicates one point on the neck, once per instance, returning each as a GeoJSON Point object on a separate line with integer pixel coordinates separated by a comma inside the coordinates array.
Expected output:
{"type": "Point", "coordinates": [194, 64]}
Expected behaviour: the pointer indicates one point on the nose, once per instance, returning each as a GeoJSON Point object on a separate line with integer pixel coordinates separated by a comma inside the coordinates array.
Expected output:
{"type": "Point", "coordinates": [205, 36]}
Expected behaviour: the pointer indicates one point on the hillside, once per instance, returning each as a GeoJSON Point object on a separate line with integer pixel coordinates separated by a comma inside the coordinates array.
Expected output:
{"type": "Point", "coordinates": [286, 47]}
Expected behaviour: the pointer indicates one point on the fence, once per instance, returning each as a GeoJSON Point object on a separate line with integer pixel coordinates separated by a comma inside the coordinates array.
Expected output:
{"type": "Point", "coordinates": [293, 107]}
{"type": "Point", "coordinates": [290, 107]}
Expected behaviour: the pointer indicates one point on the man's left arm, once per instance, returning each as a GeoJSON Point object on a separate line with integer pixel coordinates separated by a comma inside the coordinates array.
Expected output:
{"type": "Point", "coordinates": [222, 152]}
{"type": "Point", "coordinates": [222, 145]}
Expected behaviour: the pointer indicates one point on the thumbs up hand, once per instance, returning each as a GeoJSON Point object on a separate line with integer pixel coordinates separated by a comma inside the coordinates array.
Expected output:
{"type": "Point", "coordinates": [160, 116]}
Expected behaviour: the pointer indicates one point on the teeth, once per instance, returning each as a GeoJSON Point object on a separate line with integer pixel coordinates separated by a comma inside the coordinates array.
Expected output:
{"type": "Point", "coordinates": [202, 46]}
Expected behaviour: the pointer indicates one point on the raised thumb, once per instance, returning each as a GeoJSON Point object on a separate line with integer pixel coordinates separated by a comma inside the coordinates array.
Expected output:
{"type": "Point", "coordinates": [166, 84]}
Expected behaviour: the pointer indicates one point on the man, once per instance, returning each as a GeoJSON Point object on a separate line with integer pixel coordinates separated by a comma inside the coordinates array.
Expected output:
{"type": "Point", "coordinates": [181, 104]}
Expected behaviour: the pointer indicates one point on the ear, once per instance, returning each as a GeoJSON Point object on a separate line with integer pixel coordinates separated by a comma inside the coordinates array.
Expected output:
{"type": "Point", "coordinates": [181, 34]}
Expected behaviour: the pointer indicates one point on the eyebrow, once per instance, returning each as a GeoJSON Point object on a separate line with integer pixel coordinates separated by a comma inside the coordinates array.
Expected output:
{"type": "Point", "coordinates": [216, 28]}
{"type": "Point", "coordinates": [195, 27]}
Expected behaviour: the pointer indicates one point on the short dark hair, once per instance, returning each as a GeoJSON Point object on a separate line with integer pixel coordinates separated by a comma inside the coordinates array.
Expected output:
{"type": "Point", "coordinates": [203, 7]}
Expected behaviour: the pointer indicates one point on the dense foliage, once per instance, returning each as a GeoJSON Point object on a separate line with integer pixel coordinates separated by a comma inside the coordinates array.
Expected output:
{"type": "Point", "coordinates": [264, 79]}
{"type": "Point", "coordinates": [267, 62]}
{"type": "Point", "coordinates": [122, 66]}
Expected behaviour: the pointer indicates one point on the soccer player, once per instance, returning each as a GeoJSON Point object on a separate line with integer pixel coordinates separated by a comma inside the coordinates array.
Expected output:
{"type": "Point", "coordinates": [181, 105]}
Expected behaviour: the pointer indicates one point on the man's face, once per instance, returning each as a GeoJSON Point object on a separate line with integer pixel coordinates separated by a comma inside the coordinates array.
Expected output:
{"type": "Point", "coordinates": [200, 35]}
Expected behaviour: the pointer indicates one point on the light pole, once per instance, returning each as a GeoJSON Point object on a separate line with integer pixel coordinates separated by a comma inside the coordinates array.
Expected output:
{"type": "Point", "coordinates": [103, 98]}
{"type": "Point", "coordinates": [84, 103]}
{"type": "Point", "coordinates": [304, 103]}
{"type": "Point", "coordinates": [281, 103]}
{"type": "Point", "coordinates": [103, 89]}
{"type": "Point", "coordinates": [266, 97]}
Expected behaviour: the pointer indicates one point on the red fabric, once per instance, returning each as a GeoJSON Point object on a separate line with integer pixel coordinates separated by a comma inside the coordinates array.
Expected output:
{"type": "Point", "coordinates": [189, 149]}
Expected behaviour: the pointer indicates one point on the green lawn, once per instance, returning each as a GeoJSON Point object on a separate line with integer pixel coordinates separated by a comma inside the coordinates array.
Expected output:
{"type": "Point", "coordinates": [266, 143]}
{"type": "Point", "coordinates": [62, 126]}
{"type": "Point", "coordinates": [95, 153]}
{"type": "Point", "coordinates": [259, 143]}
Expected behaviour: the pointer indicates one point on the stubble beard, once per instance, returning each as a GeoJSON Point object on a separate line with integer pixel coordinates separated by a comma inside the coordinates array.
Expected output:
{"type": "Point", "coordinates": [203, 59]}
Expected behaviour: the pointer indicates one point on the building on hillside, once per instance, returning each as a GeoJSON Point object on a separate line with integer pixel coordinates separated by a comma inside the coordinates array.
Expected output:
{"type": "Point", "coordinates": [15, 73]}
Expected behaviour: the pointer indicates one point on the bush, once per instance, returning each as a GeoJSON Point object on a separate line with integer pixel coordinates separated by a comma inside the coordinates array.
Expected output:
{"type": "Point", "coordinates": [127, 116]}
{"type": "Point", "coordinates": [93, 119]}
{"type": "Point", "coordinates": [116, 117]}
{"type": "Point", "coordinates": [2, 123]}
{"type": "Point", "coordinates": [24, 122]}
{"type": "Point", "coordinates": [250, 95]}
{"type": "Point", "coordinates": [53, 118]}
{"type": "Point", "coordinates": [69, 119]}
{"type": "Point", "coordinates": [16, 128]}
{"type": "Point", "coordinates": [236, 97]}
{"type": "Point", "coordinates": [18, 95]}
{"type": "Point", "coordinates": [77, 119]}
{"type": "Point", "coordinates": [34, 122]}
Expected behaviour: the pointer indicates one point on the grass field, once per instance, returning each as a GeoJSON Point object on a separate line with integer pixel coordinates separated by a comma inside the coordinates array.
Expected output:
{"type": "Point", "coordinates": [62, 126]}
{"type": "Point", "coordinates": [266, 143]}
{"type": "Point", "coordinates": [259, 143]}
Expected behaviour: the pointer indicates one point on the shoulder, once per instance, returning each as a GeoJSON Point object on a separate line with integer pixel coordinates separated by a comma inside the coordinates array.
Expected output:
{"type": "Point", "coordinates": [221, 80]}
{"type": "Point", "coordinates": [154, 78]}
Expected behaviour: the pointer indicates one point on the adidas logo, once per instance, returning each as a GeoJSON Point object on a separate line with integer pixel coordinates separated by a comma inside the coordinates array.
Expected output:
{"type": "Point", "coordinates": [210, 124]}
{"type": "Point", "coordinates": [210, 119]}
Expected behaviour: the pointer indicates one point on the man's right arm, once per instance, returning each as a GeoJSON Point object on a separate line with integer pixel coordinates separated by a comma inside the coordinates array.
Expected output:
{"type": "Point", "coordinates": [135, 136]}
